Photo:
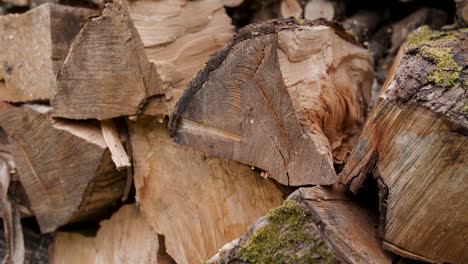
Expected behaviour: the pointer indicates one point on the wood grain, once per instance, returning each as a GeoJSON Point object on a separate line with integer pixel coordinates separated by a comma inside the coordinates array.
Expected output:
{"type": "Point", "coordinates": [276, 100]}
{"type": "Point", "coordinates": [198, 203]}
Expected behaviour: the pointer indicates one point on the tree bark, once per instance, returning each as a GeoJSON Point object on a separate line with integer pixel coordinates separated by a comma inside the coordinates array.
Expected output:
{"type": "Point", "coordinates": [315, 225]}
{"type": "Point", "coordinates": [462, 12]}
{"type": "Point", "coordinates": [65, 166]}
{"type": "Point", "coordinates": [415, 146]}
{"type": "Point", "coordinates": [274, 99]}
{"type": "Point", "coordinates": [198, 203]}
{"type": "Point", "coordinates": [34, 46]}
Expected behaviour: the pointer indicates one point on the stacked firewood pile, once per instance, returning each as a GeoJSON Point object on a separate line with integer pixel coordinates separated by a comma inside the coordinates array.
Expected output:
{"type": "Point", "coordinates": [230, 131]}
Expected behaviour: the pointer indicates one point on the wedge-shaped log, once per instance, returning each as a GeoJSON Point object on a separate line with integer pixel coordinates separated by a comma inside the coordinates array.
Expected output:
{"type": "Point", "coordinates": [285, 96]}
{"type": "Point", "coordinates": [34, 46]}
{"type": "Point", "coordinates": [415, 144]}
{"type": "Point", "coordinates": [315, 225]}
{"type": "Point", "coordinates": [125, 238]}
{"type": "Point", "coordinates": [198, 203]}
{"type": "Point", "coordinates": [106, 73]}
{"type": "Point", "coordinates": [65, 166]}
{"type": "Point", "coordinates": [180, 37]}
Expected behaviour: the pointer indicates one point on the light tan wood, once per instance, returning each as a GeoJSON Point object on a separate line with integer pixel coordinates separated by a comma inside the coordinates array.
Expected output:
{"type": "Point", "coordinates": [290, 8]}
{"type": "Point", "coordinates": [124, 238]}
{"type": "Point", "coordinates": [114, 143]}
{"type": "Point", "coordinates": [34, 45]}
{"type": "Point", "coordinates": [415, 146]}
{"type": "Point", "coordinates": [64, 166]}
{"type": "Point", "coordinates": [277, 100]}
{"type": "Point", "coordinates": [180, 37]}
{"type": "Point", "coordinates": [232, 3]}
{"type": "Point", "coordinates": [315, 9]}
{"type": "Point", "coordinates": [199, 203]}
{"type": "Point", "coordinates": [106, 73]}
{"type": "Point", "coordinates": [17, 2]}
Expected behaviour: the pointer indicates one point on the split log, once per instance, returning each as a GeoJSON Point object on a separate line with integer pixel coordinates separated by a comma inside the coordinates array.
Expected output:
{"type": "Point", "coordinates": [65, 166]}
{"type": "Point", "coordinates": [179, 37]}
{"type": "Point", "coordinates": [106, 73]}
{"type": "Point", "coordinates": [34, 46]}
{"type": "Point", "coordinates": [315, 225]}
{"type": "Point", "coordinates": [198, 203]}
{"type": "Point", "coordinates": [434, 18]}
{"type": "Point", "coordinates": [462, 12]}
{"type": "Point", "coordinates": [415, 145]}
{"type": "Point", "coordinates": [125, 238]}
{"type": "Point", "coordinates": [327, 9]}
{"type": "Point", "coordinates": [277, 100]}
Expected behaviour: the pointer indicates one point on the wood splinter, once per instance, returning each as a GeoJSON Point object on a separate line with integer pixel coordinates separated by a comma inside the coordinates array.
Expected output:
{"type": "Point", "coordinates": [287, 96]}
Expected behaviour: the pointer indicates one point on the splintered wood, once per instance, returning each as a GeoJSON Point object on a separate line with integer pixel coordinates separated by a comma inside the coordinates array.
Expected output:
{"type": "Point", "coordinates": [106, 73]}
{"type": "Point", "coordinates": [276, 99]}
{"type": "Point", "coordinates": [198, 203]}
{"type": "Point", "coordinates": [415, 146]}
{"type": "Point", "coordinates": [64, 166]}
{"type": "Point", "coordinates": [33, 47]}
{"type": "Point", "coordinates": [179, 38]}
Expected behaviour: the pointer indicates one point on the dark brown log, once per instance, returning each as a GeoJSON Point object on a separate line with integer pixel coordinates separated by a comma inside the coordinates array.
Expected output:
{"type": "Point", "coordinates": [364, 23]}
{"type": "Point", "coordinates": [34, 46]}
{"type": "Point", "coordinates": [198, 203]}
{"type": "Point", "coordinates": [179, 37]}
{"type": "Point", "coordinates": [276, 100]}
{"type": "Point", "coordinates": [125, 238]}
{"type": "Point", "coordinates": [65, 167]}
{"type": "Point", "coordinates": [315, 225]}
{"type": "Point", "coordinates": [434, 18]}
{"type": "Point", "coordinates": [415, 145]}
{"type": "Point", "coordinates": [107, 73]}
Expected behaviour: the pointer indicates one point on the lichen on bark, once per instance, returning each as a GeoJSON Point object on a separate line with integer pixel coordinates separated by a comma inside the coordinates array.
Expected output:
{"type": "Point", "coordinates": [287, 237]}
{"type": "Point", "coordinates": [437, 47]}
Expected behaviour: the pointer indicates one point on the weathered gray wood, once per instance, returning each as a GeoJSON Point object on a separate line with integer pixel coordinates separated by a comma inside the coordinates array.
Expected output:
{"type": "Point", "coordinates": [65, 166]}
{"type": "Point", "coordinates": [34, 46]}
{"type": "Point", "coordinates": [106, 73]}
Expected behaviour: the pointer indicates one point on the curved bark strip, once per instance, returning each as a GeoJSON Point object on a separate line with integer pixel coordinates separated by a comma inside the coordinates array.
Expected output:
{"type": "Point", "coordinates": [287, 96]}
{"type": "Point", "coordinates": [415, 144]}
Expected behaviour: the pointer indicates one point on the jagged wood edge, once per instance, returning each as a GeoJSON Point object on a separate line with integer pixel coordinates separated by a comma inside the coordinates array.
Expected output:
{"type": "Point", "coordinates": [248, 32]}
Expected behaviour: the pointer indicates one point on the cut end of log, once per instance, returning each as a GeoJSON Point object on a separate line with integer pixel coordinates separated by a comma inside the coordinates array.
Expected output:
{"type": "Point", "coordinates": [293, 111]}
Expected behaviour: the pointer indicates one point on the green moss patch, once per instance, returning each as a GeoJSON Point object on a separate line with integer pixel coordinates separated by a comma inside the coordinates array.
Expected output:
{"type": "Point", "coordinates": [287, 238]}
{"type": "Point", "coordinates": [437, 47]}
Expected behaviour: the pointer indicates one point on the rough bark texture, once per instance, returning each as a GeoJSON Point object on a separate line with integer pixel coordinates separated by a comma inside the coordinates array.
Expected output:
{"type": "Point", "coordinates": [179, 37]}
{"type": "Point", "coordinates": [277, 100]}
{"type": "Point", "coordinates": [125, 238]}
{"type": "Point", "coordinates": [198, 203]}
{"type": "Point", "coordinates": [34, 46]}
{"type": "Point", "coordinates": [106, 73]}
{"type": "Point", "coordinates": [415, 145]}
{"type": "Point", "coordinates": [43, 147]}
{"type": "Point", "coordinates": [315, 225]}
